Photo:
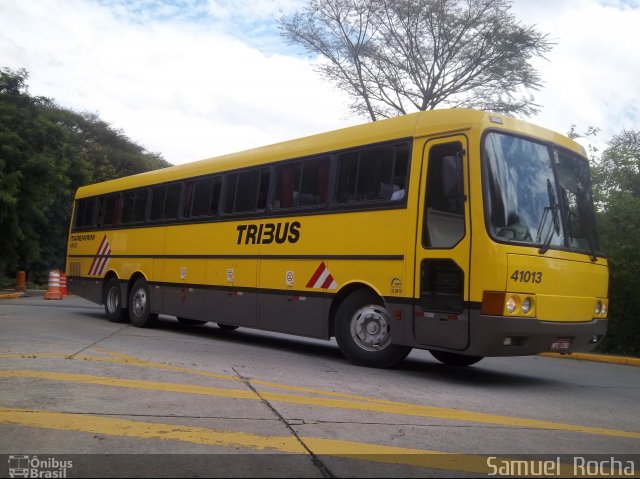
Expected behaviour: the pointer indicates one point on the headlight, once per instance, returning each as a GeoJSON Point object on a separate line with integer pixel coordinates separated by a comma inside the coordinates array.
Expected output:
{"type": "Point", "coordinates": [526, 305]}
{"type": "Point", "coordinates": [598, 307]}
{"type": "Point", "coordinates": [512, 304]}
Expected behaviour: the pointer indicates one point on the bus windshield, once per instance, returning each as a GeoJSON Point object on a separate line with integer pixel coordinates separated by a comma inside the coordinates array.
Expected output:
{"type": "Point", "coordinates": [527, 203]}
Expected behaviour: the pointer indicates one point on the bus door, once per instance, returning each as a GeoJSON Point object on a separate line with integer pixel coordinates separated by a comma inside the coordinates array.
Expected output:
{"type": "Point", "coordinates": [441, 312]}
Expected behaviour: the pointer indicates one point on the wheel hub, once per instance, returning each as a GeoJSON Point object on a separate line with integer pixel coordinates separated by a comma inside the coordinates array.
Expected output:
{"type": "Point", "coordinates": [370, 328]}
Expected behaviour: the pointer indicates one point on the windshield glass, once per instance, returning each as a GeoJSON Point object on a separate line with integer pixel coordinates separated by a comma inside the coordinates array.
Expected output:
{"type": "Point", "coordinates": [526, 204]}
{"type": "Point", "coordinates": [577, 199]}
{"type": "Point", "coordinates": [522, 196]}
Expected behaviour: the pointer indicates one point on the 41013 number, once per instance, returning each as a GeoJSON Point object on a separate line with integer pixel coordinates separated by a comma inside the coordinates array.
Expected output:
{"type": "Point", "coordinates": [527, 276]}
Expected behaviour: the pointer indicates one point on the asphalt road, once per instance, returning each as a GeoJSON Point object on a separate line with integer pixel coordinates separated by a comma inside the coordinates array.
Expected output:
{"type": "Point", "coordinates": [115, 400]}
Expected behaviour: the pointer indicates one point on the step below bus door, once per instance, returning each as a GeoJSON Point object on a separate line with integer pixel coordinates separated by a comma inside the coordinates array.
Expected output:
{"type": "Point", "coordinates": [441, 314]}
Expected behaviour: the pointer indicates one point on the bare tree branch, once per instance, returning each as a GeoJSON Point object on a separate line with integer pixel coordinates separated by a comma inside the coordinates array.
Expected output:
{"type": "Point", "coordinates": [389, 55]}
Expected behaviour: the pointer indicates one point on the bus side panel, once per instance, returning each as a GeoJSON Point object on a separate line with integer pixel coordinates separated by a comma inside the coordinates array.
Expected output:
{"type": "Point", "coordinates": [283, 304]}
{"type": "Point", "coordinates": [230, 296]}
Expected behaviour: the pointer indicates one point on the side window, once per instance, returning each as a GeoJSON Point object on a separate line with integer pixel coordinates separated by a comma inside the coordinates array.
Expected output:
{"type": "Point", "coordinates": [443, 225]}
{"type": "Point", "coordinates": [206, 196]}
{"type": "Point", "coordinates": [373, 174]}
{"type": "Point", "coordinates": [108, 209]}
{"type": "Point", "coordinates": [172, 201]}
{"type": "Point", "coordinates": [85, 213]}
{"type": "Point", "coordinates": [157, 203]}
{"type": "Point", "coordinates": [165, 202]}
{"type": "Point", "coordinates": [287, 186]}
{"type": "Point", "coordinates": [247, 191]}
{"type": "Point", "coordinates": [134, 206]}
{"type": "Point", "coordinates": [314, 183]}
{"type": "Point", "coordinates": [300, 184]}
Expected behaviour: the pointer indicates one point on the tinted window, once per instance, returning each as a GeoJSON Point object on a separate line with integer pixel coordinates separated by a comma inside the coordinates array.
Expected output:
{"type": "Point", "coordinates": [85, 211]}
{"type": "Point", "coordinates": [108, 208]}
{"type": "Point", "coordinates": [134, 206]}
{"type": "Point", "coordinates": [247, 191]}
{"type": "Point", "coordinates": [302, 184]}
{"type": "Point", "coordinates": [157, 203]}
{"type": "Point", "coordinates": [206, 196]}
{"type": "Point", "coordinates": [165, 202]}
{"type": "Point", "coordinates": [373, 174]}
{"type": "Point", "coordinates": [172, 202]}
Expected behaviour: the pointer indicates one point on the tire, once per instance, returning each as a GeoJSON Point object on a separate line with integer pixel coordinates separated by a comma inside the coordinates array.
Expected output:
{"type": "Point", "coordinates": [363, 332]}
{"type": "Point", "coordinates": [140, 305]}
{"type": "Point", "coordinates": [454, 359]}
{"type": "Point", "coordinates": [113, 302]}
{"type": "Point", "coordinates": [191, 322]}
{"type": "Point", "coordinates": [227, 327]}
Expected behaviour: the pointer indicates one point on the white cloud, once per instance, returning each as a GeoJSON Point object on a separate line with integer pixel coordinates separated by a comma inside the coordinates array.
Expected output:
{"type": "Point", "coordinates": [255, 9]}
{"type": "Point", "coordinates": [191, 79]}
{"type": "Point", "coordinates": [177, 88]}
{"type": "Point", "coordinates": [591, 78]}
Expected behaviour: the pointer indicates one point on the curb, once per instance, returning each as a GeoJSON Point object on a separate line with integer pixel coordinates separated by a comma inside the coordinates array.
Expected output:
{"type": "Point", "coordinates": [11, 295]}
{"type": "Point", "coordinates": [599, 358]}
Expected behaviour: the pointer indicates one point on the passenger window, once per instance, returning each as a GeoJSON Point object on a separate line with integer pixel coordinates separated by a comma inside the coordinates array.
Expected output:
{"type": "Point", "coordinates": [157, 203]}
{"type": "Point", "coordinates": [373, 174]}
{"type": "Point", "coordinates": [263, 191]}
{"type": "Point", "coordinates": [206, 196]}
{"type": "Point", "coordinates": [314, 182]}
{"type": "Point", "coordinates": [85, 213]}
{"type": "Point", "coordinates": [247, 191]}
{"type": "Point", "coordinates": [172, 202]}
{"type": "Point", "coordinates": [134, 206]}
{"type": "Point", "coordinates": [443, 225]}
{"type": "Point", "coordinates": [165, 202]}
{"type": "Point", "coordinates": [108, 210]}
{"type": "Point", "coordinates": [301, 184]}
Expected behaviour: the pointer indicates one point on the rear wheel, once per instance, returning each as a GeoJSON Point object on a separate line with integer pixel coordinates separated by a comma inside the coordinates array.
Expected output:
{"type": "Point", "coordinates": [140, 305]}
{"type": "Point", "coordinates": [363, 332]}
{"type": "Point", "coordinates": [454, 359]}
{"type": "Point", "coordinates": [113, 302]}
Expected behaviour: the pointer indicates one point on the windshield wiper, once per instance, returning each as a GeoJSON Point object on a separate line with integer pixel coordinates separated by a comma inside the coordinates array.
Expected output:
{"type": "Point", "coordinates": [555, 218]}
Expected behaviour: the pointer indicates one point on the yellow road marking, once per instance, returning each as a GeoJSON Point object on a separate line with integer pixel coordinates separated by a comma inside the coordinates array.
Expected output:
{"type": "Point", "coordinates": [381, 407]}
{"type": "Point", "coordinates": [284, 444]}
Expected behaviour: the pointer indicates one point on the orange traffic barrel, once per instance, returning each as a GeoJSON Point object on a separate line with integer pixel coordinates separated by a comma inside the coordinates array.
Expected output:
{"type": "Point", "coordinates": [21, 281]}
{"type": "Point", "coordinates": [53, 290]}
{"type": "Point", "coordinates": [63, 284]}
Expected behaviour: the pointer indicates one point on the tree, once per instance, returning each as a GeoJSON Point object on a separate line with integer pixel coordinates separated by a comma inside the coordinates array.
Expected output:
{"type": "Point", "coordinates": [616, 178]}
{"type": "Point", "coordinates": [397, 56]}
{"type": "Point", "coordinates": [46, 153]}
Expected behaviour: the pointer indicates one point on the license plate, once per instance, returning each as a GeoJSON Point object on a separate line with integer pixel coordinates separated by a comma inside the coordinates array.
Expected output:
{"type": "Point", "coordinates": [561, 345]}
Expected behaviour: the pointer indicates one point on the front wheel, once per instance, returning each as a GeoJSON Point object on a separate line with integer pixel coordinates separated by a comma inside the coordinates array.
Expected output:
{"type": "Point", "coordinates": [113, 302]}
{"type": "Point", "coordinates": [454, 359]}
{"type": "Point", "coordinates": [363, 332]}
{"type": "Point", "coordinates": [140, 305]}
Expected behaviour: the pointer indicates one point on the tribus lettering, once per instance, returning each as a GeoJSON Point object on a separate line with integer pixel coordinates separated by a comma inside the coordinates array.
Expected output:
{"type": "Point", "coordinates": [268, 233]}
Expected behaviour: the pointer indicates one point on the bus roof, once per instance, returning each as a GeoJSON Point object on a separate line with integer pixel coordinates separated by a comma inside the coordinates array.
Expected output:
{"type": "Point", "coordinates": [418, 124]}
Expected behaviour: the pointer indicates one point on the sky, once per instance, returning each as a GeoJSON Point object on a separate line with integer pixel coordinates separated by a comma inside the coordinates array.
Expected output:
{"type": "Point", "coordinates": [192, 79]}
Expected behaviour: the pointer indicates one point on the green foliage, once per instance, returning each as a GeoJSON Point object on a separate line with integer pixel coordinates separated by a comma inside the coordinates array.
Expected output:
{"type": "Point", "coordinates": [46, 153]}
{"type": "Point", "coordinates": [617, 184]}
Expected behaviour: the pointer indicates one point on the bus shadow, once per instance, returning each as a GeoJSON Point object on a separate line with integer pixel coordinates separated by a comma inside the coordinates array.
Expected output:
{"type": "Point", "coordinates": [253, 337]}
{"type": "Point", "coordinates": [424, 369]}
{"type": "Point", "coordinates": [482, 375]}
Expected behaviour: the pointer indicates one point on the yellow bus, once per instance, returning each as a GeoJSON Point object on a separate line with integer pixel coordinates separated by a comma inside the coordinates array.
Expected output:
{"type": "Point", "coordinates": [465, 233]}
